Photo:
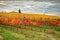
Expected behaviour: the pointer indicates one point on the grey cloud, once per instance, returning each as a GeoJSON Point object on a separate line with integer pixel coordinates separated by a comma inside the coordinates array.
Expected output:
{"type": "Point", "coordinates": [36, 6]}
{"type": "Point", "coordinates": [53, 8]}
{"type": "Point", "coordinates": [53, 1]}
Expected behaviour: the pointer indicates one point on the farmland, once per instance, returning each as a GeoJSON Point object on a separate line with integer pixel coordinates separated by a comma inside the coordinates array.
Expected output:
{"type": "Point", "coordinates": [15, 26]}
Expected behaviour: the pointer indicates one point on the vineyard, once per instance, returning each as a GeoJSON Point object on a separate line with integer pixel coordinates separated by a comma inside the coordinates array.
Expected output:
{"type": "Point", "coordinates": [15, 26]}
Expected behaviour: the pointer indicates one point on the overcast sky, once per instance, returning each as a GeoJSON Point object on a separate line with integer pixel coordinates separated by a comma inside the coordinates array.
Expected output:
{"type": "Point", "coordinates": [32, 6]}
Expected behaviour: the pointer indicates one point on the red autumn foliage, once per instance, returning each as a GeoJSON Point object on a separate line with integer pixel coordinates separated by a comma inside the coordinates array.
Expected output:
{"type": "Point", "coordinates": [39, 21]}
{"type": "Point", "coordinates": [14, 21]}
{"type": "Point", "coordinates": [47, 20]}
{"type": "Point", "coordinates": [28, 22]}
{"type": "Point", "coordinates": [34, 23]}
{"type": "Point", "coordinates": [54, 22]}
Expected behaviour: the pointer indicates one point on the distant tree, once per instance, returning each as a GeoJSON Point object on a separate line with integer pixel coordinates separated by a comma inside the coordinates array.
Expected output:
{"type": "Point", "coordinates": [19, 11]}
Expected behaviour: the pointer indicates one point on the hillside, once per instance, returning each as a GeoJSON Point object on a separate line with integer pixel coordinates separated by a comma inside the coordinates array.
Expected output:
{"type": "Point", "coordinates": [34, 16]}
{"type": "Point", "coordinates": [12, 27]}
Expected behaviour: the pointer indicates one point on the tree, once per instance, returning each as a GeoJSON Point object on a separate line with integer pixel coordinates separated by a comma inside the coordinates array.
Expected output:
{"type": "Point", "coordinates": [19, 11]}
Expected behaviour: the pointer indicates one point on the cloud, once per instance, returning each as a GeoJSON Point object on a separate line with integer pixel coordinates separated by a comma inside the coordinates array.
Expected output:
{"type": "Point", "coordinates": [2, 3]}
{"type": "Point", "coordinates": [31, 6]}
{"type": "Point", "coordinates": [54, 1]}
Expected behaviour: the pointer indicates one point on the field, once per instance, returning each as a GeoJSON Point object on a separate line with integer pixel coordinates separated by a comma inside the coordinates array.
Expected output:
{"type": "Point", "coordinates": [15, 26]}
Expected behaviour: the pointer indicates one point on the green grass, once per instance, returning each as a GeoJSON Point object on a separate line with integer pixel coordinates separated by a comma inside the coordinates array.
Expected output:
{"type": "Point", "coordinates": [34, 33]}
{"type": "Point", "coordinates": [6, 35]}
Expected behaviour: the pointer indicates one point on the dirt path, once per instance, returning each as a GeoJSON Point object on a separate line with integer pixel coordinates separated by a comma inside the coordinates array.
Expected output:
{"type": "Point", "coordinates": [1, 38]}
{"type": "Point", "coordinates": [47, 35]}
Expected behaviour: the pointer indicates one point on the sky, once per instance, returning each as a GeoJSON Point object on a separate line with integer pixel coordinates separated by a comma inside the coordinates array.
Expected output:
{"type": "Point", "coordinates": [50, 7]}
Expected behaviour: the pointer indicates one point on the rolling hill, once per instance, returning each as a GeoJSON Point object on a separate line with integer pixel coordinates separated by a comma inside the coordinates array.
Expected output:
{"type": "Point", "coordinates": [34, 16]}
